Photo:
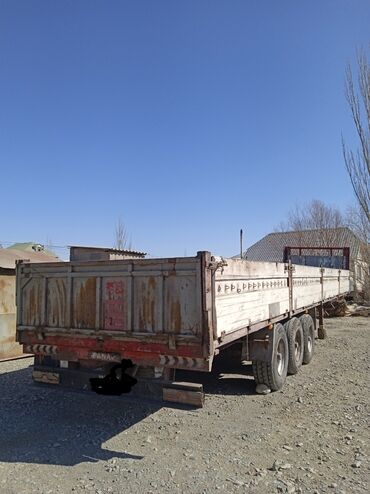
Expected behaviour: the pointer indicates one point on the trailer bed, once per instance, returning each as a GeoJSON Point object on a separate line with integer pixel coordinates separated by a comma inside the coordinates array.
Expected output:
{"type": "Point", "coordinates": [171, 313]}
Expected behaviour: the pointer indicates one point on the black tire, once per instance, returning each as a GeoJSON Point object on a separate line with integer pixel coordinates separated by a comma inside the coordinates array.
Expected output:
{"type": "Point", "coordinates": [294, 334]}
{"type": "Point", "coordinates": [273, 374]}
{"type": "Point", "coordinates": [308, 337]}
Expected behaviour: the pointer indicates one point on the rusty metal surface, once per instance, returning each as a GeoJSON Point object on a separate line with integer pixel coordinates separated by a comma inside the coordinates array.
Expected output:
{"type": "Point", "coordinates": [8, 258]}
{"type": "Point", "coordinates": [157, 297]}
{"type": "Point", "coordinates": [147, 309]}
{"type": "Point", "coordinates": [8, 346]}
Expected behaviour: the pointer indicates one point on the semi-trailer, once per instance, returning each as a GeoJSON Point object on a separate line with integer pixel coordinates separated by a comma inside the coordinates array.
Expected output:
{"type": "Point", "coordinates": [172, 313]}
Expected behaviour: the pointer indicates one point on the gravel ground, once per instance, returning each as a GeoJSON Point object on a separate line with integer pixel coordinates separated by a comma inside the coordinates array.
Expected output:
{"type": "Point", "coordinates": [312, 437]}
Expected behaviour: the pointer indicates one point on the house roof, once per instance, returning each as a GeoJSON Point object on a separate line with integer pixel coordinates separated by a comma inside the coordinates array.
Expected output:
{"type": "Point", "coordinates": [271, 247]}
{"type": "Point", "coordinates": [8, 257]}
{"type": "Point", "coordinates": [31, 247]}
{"type": "Point", "coordinates": [110, 250]}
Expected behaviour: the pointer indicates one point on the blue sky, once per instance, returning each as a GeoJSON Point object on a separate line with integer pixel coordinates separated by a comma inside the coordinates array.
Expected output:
{"type": "Point", "coordinates": [188, 119]}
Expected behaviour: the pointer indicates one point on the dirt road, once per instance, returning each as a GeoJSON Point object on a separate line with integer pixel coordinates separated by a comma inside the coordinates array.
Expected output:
{"type": "Point", "coordinates": [312, 437]}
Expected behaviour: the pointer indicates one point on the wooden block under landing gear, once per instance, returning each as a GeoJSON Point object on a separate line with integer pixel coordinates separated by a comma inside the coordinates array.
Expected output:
{"type": "Point", "coordinates": [187, 393]}
{"type": "Point", "coordinates": [46, 377]}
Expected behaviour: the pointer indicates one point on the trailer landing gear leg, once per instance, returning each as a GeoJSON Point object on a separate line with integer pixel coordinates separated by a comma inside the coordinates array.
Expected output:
{"type": "Point", "coordinates": [321, 333]}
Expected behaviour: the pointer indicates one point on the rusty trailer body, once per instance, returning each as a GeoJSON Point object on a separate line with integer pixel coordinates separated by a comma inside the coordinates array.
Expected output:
{"type": "Point", "coordinates": [9, 348]}
{"type": "Point", "coordinates": [165, 313]}
{"type": "Point", "coordinates": [155, 312]}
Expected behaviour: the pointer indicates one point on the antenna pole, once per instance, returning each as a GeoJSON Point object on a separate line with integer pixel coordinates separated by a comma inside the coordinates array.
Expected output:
{"type": "Point", "coordinates": [241, 244]}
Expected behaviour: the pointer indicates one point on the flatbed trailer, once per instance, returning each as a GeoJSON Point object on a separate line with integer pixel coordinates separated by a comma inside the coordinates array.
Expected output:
{"type": "Point", "coordinates": [175, 313]}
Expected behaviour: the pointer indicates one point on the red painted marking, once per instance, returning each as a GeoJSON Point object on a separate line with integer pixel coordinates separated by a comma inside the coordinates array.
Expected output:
{"type": "Point", "coordinates": [107, 357]}
{"type": "Point", "coordinates": [75, 349]}
{"type": "Point", "coordinates": [147, 350]}
{"type": "Point", "coordinates": [114, 315]}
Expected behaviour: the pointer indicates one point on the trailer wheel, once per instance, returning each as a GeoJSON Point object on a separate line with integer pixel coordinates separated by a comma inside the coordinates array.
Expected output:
{"type": "Point", "coordinates": [308, 337]}
{"type": "Point", "coordinates": [273, 374]}
{"type": "Point", "coordinates": [294, 333]}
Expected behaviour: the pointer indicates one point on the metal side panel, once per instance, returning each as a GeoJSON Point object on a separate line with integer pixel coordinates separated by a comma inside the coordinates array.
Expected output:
{"type": "Point", "coordinates": [146, 305]}
{"type": "Point", "coordinates": [250, 293]}
{"type": "Point", "coordinates": [8, 346]}
{"type": "Point", "coordinates": [312, 285]}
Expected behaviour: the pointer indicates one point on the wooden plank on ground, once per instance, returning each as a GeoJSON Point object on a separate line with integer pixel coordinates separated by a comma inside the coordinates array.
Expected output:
{"type": "Point", "coordinates": [46, 377]}
{"type": "Point", "coordinates": [184, 394]}
{"type": "Point", "coordinates": [184, 386]}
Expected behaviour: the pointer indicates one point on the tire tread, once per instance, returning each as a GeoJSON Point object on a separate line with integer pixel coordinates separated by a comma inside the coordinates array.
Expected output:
{"type": "Point", "coordinates": [308, 327]}
{"type": "Point", "coordinates": [292, 326]}
{"type": "Point", "coordinates": [264, 373]}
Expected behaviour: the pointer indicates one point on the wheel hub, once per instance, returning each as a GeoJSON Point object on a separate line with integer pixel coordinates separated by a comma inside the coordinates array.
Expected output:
{"type": "Point", "coordinates": [280, 356]}
{"type": "Point", "coordinates": [297, 346]}
{"type": "Point", "coordinates": [309, 344]}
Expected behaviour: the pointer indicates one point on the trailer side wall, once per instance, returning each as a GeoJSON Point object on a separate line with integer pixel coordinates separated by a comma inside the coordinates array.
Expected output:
{"type": "Point", "coordinates": [248, 293]}
{"type": "Point", "coordinates": [152, 311]}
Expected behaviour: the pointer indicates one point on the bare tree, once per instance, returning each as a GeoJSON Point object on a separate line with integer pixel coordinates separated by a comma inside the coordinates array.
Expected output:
{"type": "Point", "coordinates": [315, 215]}
{"type": "Point", "coordinates": [358, 222]}
{"type": "Point", "coordinates": [358, 162]}
{"type": "Point", "coordinates": [326, 220]}
{"type": "Point", "coordinates": [121, 236]}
